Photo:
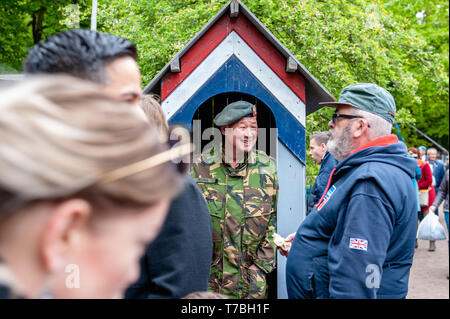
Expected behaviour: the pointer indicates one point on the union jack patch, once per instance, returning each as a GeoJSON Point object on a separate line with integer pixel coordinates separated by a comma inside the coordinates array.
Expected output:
{"type": "Point", "coordinates": [358, 243]}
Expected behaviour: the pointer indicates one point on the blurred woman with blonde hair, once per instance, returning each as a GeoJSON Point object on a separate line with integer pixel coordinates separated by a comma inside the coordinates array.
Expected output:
{"type": "Point", "coordinates": [85, 185]}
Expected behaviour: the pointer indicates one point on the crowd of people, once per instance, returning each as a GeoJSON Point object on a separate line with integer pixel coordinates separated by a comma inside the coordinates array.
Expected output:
{"type": "Point", "coordinates": [96, 201]}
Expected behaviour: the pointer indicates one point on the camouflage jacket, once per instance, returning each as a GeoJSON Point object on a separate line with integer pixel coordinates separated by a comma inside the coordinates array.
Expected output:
{"type": "Point", "coordinates": [242, 203]}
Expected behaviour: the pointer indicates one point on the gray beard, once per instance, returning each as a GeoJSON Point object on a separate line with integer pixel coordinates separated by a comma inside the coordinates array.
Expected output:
{"type": "Point", "coordinates": [341, 146]}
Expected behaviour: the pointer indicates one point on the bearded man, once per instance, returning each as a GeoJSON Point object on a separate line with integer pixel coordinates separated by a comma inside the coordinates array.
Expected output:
{"type": "Point", "coordinates": [358, 242]}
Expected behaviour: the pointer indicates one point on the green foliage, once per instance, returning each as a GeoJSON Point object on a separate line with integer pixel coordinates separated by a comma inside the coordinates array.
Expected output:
{"type": "Point", "coordinates": [398, 44]}
{"type": "Point", "coordinates": [159, 28]}
{"type": "Point", "coordinates": [17, 18]}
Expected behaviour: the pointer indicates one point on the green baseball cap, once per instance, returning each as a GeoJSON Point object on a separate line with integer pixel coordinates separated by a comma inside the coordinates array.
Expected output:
{"type": "Point", "coordinates": [234, 112]}
{"type": "Point", "coordinates": [367, 97]}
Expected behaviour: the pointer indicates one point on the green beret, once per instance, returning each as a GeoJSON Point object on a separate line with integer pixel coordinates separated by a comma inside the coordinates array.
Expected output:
{"type": "Point", "coordinates": [233, 112]}
{"type": "Point", "coordinates": [367, 97]}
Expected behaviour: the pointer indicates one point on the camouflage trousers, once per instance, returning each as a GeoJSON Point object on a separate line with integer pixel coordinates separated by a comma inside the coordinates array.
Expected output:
{"type": "Point", "coordinates": [253, 286]}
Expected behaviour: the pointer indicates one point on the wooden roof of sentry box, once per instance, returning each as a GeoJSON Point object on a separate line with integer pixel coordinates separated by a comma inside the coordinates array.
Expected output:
{"type": "Point", "coordinates": [235, 16]}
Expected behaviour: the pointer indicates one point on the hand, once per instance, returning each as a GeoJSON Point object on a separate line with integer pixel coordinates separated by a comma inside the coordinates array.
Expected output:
{"type": "Point", "coordinates": [432, 209]}
{"type": "Point", "coordinates": [289, 238]}
{"type": "Point", "coordinates": [253, 267]}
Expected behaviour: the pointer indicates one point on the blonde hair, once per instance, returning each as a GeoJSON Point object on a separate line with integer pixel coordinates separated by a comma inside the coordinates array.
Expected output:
{"type": "Point", "coordinates": [205, 295]}
{"type": "Point", "coordinates": [155, 113]}
{"type": "Point", "coordinates": [59, 135]}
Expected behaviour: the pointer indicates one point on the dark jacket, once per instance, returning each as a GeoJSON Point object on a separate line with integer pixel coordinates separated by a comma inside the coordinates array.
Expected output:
{"type": "Point", "coordinates": [442, 193]}
{"type": "Point", "coordinates": [359, 241]}
{"type": "Point", "coordinates": [178, 261]}
{"type": "Point", "coordinates": [438, 172]}
{"type": "Point", "coordinates": [327, 165]}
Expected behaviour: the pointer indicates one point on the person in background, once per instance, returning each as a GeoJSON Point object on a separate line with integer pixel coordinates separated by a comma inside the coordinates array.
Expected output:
{"type": "Point", "coordinates": [442, 195]}
{"type": "Point", "coordinates": [81, 192]}
{"type": "Point", "coordinates": [178, 261]}
{"type": "Point", "coordinates": [412, 151]}
{"type": "Point", "coordinates": [319, 153]}
{"type": "Point", "coordinates": [437, 168]}
{"type": "Point", "coordinates": [366, 223]}
{"type": "Point", "coordinates": [425, 185]}
{"type": "Point", "coordinates": [422, 153]}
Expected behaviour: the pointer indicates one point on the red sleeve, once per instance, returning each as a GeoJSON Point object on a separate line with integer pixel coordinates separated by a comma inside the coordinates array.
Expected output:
{"type": "Point", "coordinates": [427, 177]}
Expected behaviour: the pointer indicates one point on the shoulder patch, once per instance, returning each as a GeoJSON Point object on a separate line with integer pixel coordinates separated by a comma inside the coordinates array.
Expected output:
{"type": "Point", "coordinates": [358, 243]}
{"type": "Point", "coordinates": [327, 197]}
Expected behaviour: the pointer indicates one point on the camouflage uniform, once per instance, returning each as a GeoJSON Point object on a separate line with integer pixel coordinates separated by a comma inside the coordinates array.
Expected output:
{"type": "Point", "coordinates": [242, 204]}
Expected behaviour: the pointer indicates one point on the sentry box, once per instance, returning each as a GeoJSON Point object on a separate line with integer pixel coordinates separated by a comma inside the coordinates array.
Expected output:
{"type": "Point", "coordinates": [234, 57]}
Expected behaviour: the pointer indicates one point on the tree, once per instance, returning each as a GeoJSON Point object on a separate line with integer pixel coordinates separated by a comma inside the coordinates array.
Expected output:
{"type": "Point", "coordinates": [340, 42]}
{"type": "Point", "coordinates": [398, 44]}
{"type": "Point", "coordinates": [26, 22]}
{"type": "Point", "coordinates": [427, 21]}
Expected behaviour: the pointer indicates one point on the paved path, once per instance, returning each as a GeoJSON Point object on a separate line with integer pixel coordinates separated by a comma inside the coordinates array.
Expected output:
{"type": "Point", "coordinates": [428, 277]}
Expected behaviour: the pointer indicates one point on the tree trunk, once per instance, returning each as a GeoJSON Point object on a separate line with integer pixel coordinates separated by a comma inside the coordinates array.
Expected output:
{"type": "Point", "coordinates": [36, 24]}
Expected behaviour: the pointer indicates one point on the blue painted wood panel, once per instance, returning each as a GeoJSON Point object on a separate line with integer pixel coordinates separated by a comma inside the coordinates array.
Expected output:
{"type": "Point", "coordinates": [291, 205]}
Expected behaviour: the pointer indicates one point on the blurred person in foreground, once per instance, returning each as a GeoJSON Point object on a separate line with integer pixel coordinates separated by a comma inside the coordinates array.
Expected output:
{"type": "Point", "coordinates": [318, 151]}
{"type": "Point", "coordinates": [110, 61]}
{"type": "Point", "coordinates": [85, 186]}
{"type": "Point", "coordinates": [178, 261]}
{"type": "Point", "coordinates": [359, 240]}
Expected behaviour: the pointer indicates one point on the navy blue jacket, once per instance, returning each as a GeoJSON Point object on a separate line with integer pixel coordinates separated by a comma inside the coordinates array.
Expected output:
{"type": "Point", "coordinates": [178, 261]}
{"type": "Point", "coordinates": [327, 165]}
{"type": "Point", "coordinates": [359, 241]}
{"type": "Point", "coordinates": [438, 172]}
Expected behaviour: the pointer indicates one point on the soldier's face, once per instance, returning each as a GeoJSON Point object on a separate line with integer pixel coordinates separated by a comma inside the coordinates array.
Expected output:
{"type": "Point", "coordinates": [242, 134]}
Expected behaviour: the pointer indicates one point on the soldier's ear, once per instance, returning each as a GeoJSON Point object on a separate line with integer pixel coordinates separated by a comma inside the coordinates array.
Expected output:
{"type": "Point", "coordinates": [223, 129]}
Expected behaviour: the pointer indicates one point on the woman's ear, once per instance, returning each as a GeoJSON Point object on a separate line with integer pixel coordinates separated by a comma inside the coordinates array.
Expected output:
{"type": "Point", "coordinates": [63, 232]}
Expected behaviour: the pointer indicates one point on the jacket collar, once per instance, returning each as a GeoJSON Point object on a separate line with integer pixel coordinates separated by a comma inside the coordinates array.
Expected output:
{"type": "Point", "coordinates": [381, 141]}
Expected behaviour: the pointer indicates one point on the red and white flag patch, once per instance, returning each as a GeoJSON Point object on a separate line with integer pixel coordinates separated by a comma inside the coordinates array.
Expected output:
{"type": "Point", "coordinates": [358, 243]}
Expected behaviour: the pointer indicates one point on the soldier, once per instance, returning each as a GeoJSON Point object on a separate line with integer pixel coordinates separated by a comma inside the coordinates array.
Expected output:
{"type": "Point", "coordinates": [240, 186]}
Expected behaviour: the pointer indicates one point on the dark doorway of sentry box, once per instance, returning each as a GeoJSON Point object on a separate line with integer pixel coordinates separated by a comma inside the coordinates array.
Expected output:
{"type": "Point", "coordinates": [213, 106]}
{"type": "Point", "coordinates": [267, 137]}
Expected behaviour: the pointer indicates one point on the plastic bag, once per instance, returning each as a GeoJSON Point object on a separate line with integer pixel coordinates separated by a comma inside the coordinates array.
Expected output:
{"type": "Point", "coordinates": [430, 228]}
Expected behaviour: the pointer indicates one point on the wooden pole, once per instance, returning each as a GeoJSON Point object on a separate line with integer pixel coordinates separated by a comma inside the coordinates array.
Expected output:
{"type": "Point", "coordinates": [94, 16]}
